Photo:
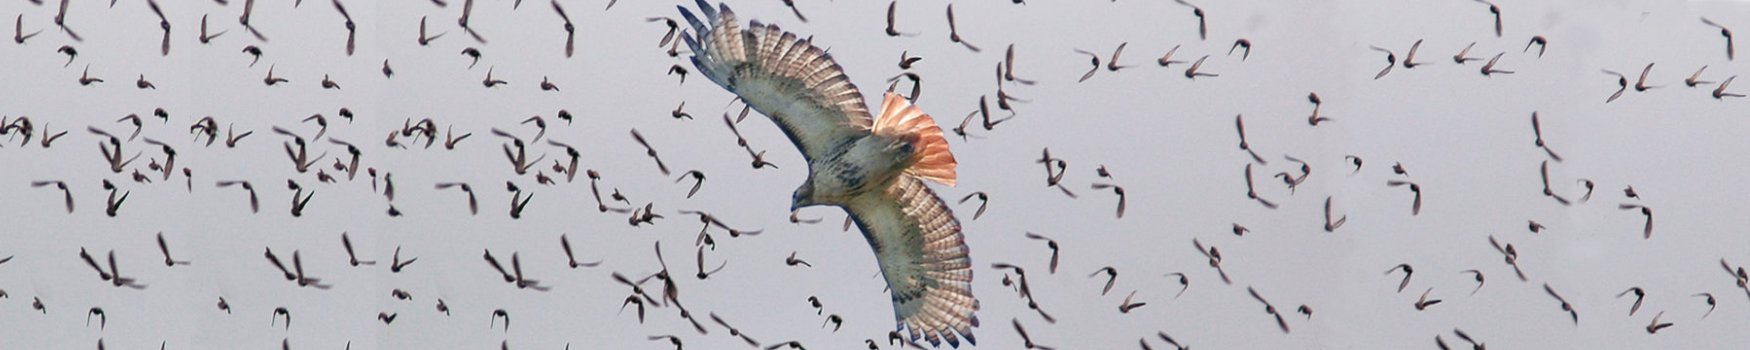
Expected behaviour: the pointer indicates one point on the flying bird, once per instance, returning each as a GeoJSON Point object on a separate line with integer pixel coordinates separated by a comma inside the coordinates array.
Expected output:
{"type": "Point", "coordinates": [1247, 44]}
{"type": "Point", "coordinates": [66, 193]}
{"type": "Point", "coordinates": [571, 260]}
{"type": "Point", "coordinates": [1541, 42]}
{"type": "Point", "coordinates": [650, 151]}
{"type": "Point", "coordinates": [489, 82]}
{"type": "Point", "coordinates": [1640, 295]}
{"type": "Point", "coordinates": [872, 166]}
{"type": "Point", "coordinates": [1489, 68]}
{"type": "Point", "coordinates": [396, 265]}
{"type": "Point", "coordinates": [61, 19]}
{"type": "Point", "coordinates": [1269, 309]}
{"type": "Point", "coordinates": [270, 80]}
{"type": "Point", "coordinates": [673, 27]}
{"type": "Point", "coordinates": [1647, 231]}
{"type": "Point", "coordinates": [1027, 340]}
{"type": "Point", "coordinates": [1051, 243]}
{"type": "Point", "coordinates": [1416, 206]}
{"type": "Point", "coordinates": [249, 8]}
{"type": "Point", "coordinates": [1111, 277]}
{"type": "Point", "coordinates": [1710, 303]}
{"type": "Point", "coordinates": [1509, 254]}
{"type": "Point", "coordinates": [351, 28]}
{"type": "Point", "coordinates": [1409, 59]}
{"type": "Point", "coordinates": [1537, 130]}
{"type": "Point", "coordinates": [18, 35]}
{"type": "Point", "coordinates": [86, 79]}
{"type": "Point", "coordinates": [425, 40]}
{"type": "Point", "coordinates": [1695, 79]}
{"type": "Point", "coordinates": [1641, 85]}
{"type": "Point", "coordinates": [1720, 92]}
{"type": "Point", "coordinates": [892, 7]}
{"type": "Point", "coordinates": [207, 39]}
{"type": "Point", "coordinates": [1095, 58]}
{"type": "Point", "coordinates": [1496, 11]}
{"type": "Point", "coordinates": [1391, 60]}
{"type": "Point", "coordinates": [352, 258]}
{"type": "Point", "coordinates": [1192, 72]}
{"type": "Point", "coordinates": [1331, 224]}
{"type": "Point", "coordinates": [1566, 307]}
{"type": "Point", "coordinates": [1463, 55]}
{"type": "Point", "coordinates": [1622, 85]}
{"type": "Point", "coordinates": [1127, 305]}
{"type": "Point", "coordinates": [1184, 283]}
{"type": "Point", "coordinates": [1167, 59]}
{"type": "Point", "coordinates": [1252, 193]}
{"type": "Point", "coordinates": [1723, 32]}
{"type": "Point", "coordinates": [1655, 326]}
{"type": "Point", "coordinates": [1112, 63]}
{"type": "Point", "coordinates": [1408, 272]}
{"type": "Point", "coordinates": [468, 11]}
{"type": "Point", "coordinates": [1115, 190]}
{"type": "Point", "coordinates": [1314, 119]}
{"type": "Point", "coordinates": [1479, 278]}
{"type": "Point", "coordinates": [165, 248]}
{"type": "Point", "coordinates": [1423, 303]}
{"type": "Point", "coordinates": [1202, 23]}
{"type": "Point", "coordinates": [163, 23]}
{"type": "Point", "coordinates": [72, 53]}
{"type": "Point", "coordinates": [1240, 125]}
{"type": "Point", "coordinates": [953, 30]}
{"type": "Point", "coordinates": [1214, 256]}
{"type": "Point", "coordinates": [793, 261]}
{"type": "Point", "coordinates": [906, 60]}
{"type": "Point", "coordinates": [570, 30]}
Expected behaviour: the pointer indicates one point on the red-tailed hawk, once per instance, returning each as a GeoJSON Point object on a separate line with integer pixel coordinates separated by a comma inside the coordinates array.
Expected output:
{"type": "Point", "coordinates": [872, 166]}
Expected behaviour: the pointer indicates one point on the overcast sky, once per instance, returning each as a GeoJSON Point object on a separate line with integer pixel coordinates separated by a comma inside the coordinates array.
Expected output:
{"type": "Point", "coordinates": [1463, 137]}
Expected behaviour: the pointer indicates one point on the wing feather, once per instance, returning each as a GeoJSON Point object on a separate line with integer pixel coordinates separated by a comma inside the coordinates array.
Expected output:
{"type": "Point", "coordinates": [788, 79]}
{"type": "Point", "coordinates": [923, 256]}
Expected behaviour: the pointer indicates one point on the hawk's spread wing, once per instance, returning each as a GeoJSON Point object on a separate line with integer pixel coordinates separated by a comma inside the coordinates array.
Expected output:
{"type": "Point", "coordinates": [786, 78]}
{"type": "Point", "coordinates": [917, 241]}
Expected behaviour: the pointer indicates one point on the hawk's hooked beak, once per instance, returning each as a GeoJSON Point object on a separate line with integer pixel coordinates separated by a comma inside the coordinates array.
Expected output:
{"type": "Point", "coordinates": [803, 197]}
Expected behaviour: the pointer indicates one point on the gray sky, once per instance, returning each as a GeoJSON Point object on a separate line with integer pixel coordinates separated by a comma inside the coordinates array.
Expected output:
{"type": "Point", "coordinates": [1170, 141]}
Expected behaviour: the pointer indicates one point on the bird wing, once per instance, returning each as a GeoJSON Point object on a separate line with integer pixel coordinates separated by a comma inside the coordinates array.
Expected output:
{"type": "Point", "coordinates": [788, 79]}
{"type": "Point", "coordinates": [922, 254]}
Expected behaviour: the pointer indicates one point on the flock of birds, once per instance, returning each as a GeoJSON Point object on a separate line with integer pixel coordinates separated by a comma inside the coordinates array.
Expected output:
{"type": "Point", "coordinates": [538, 161]}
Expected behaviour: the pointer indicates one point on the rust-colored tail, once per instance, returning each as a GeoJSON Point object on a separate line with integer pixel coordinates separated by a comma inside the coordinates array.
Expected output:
{"type": "Point", "coordinates": [931, 159]}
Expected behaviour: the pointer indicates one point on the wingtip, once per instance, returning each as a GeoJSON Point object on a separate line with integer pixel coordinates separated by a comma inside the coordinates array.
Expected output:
{"type": "Point", "coordinates": [692, 20]}
{"type": "Point", "coordinates": [705, 7]}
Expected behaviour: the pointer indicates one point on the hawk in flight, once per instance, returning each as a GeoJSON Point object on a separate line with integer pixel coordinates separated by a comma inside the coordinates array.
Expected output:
{"type": "Point", "coordinates": [874, 167]}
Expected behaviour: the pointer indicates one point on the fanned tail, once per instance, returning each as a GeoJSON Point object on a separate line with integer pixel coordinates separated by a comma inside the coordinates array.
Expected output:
{"type": "Point", "coordinates": [931, 158]}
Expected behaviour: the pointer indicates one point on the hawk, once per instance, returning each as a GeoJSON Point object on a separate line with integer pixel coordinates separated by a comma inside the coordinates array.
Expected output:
{"type": "Point", "coordinates": [874, 167]}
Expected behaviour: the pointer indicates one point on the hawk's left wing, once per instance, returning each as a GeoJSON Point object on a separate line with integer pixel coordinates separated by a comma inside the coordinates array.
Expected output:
{"type": "Point", "coordinates": [917, 241]}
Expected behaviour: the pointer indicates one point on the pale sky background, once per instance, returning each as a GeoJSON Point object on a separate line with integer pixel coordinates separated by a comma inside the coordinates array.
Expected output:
{"type": "Point", "coordinates": [1170, 141]}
